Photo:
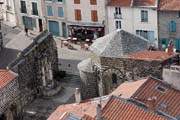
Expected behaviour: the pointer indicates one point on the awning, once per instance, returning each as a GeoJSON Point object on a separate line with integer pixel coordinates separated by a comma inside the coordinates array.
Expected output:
{"type": "Point", "coordinates": [85, 24]}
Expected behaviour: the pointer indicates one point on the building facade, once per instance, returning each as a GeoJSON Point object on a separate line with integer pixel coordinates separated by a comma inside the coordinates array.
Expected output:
{"type": "Point", "coordinates": [9, 11]}
{"type": "Point", "coordinates": [169, 23]}
{"type": "Point", "coordinates": [56, 16]}
{"type": "Point", "coordinates": [134, 17]}
{"type": "Point", "coordinates": [86, 18]}
{"type": "Point", "coordinates": [30, 14]}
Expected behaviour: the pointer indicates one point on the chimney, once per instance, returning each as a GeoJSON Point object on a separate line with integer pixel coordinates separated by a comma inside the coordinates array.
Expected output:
{"type": "Point", "coordinates": [99, 112]}
{"type": "Point", "coordinates": [170, 49]}
{"type": "Point", "coordinates": [78, 95]}
{"type": "Point", "coordinates": [151, 103]}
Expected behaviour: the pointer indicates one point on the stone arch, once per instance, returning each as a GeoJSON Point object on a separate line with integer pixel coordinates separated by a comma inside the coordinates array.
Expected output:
{"type": "Point", "coordinates": [112, 77]}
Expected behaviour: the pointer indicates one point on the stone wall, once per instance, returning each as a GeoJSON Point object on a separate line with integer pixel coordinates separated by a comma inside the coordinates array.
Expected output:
{"type": "Point", "coordinates": [88, 85]}
{"type": "Point", "coordinates": [164, 18]}
{"type": "Point", "coordinates": [35, 67]}
{"type": "Point", "coordinates": [9, 100]}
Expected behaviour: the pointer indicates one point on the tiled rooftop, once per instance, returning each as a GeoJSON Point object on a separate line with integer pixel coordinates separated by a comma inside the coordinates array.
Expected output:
{"type": "Point", "coordinates": [169, 5]}
{"type": "Point", "coordinates": [127, 3]}
{"type": "Point", "coordinates": [118, 109]}
{"type": "Point", "coordinates": [123, 92]}
{"type": "Point", "coordinates": [120, 3]}
{"type": "Point", "coordinates": [144, 2]}
{"type": "Point", "coordinates": [167, 98]}
{"type": "Point", "coordinates": [6, 77]}
{"type": "Point", "coordinates": [150, 55]}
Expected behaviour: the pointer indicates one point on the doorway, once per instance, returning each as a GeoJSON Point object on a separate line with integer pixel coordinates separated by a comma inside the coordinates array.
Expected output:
{"type": "Point", "coordinates": [40, 25]}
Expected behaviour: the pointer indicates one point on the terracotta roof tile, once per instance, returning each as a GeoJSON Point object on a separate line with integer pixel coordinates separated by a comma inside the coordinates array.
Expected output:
{"type": "Point", "coordinates": [120, 3]}
{"type": "Point", "coordinates": [117, 109]}
{"type": "Point", "coordinates": [5, 77]}
{"type": "Point", "coordinates": [169, 5]}
{"type": "Point", "coordinates": [165, 95]}
{"type": "Point", "coordinates": [88, 108]}
{"type": "Point", "coordinates": [150, 55]}
{"type": "Point", "coordinates": [132, 87]}
{"type": "Point", "coordinates": [144, 3]}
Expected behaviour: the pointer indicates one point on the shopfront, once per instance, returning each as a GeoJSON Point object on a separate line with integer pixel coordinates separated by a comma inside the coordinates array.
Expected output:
{"type": "Point", "coordinates": [85, 32]}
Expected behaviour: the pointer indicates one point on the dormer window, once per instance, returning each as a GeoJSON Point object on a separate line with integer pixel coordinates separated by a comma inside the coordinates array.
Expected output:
{"type": "Point", "coordinates": [161, 89]}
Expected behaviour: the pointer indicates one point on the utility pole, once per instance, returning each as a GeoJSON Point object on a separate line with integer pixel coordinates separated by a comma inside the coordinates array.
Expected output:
{"type": "Point", "coordinates": [1, 19]}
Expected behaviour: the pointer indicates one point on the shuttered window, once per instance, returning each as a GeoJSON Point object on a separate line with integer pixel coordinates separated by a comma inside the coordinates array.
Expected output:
{"type": "Point", "coordinates": [94, 16]}
{"type": "Point", "coordinates": [49, 11]}
{"type": "Point", "coordinates": [34, 8]}
{"type": "Point", "coordinates": [77, 14]}
{"type": "Point", "coordinates": [60, 12]}
{"type": "Point", "coordinates": [172, 26]}
{"type": "Point", "coordinates": [93, 2]}
{"type": "Point", "coordinates": [23, 7]}
{"type": "Point", "coordinates": [76, 1]}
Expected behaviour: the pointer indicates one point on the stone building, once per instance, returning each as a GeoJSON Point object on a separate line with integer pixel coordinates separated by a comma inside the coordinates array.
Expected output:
{"type": "Point", "coordinates": [36, 66]}
{"type": "Point", "coordinates": [120, 57]}
{"type": "Point", "coordinates": [169, 23]}
{"type": "Point", "coordinates": [9, 95]}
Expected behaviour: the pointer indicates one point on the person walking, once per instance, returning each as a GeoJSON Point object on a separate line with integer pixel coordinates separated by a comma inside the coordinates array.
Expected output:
{"type": "Point", "coordinates": [26, 31]}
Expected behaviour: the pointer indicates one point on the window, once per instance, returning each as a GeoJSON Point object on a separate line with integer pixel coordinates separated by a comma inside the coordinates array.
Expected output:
{"type": "Point", "coordinates": [94, 16]}
{"type": "Point", "coordinates": [49, 11]}
{"type": "Point", "coordinates": [23, 7]}
{"type": "Point", "coordinates": [76, 1]}
{"type": "Point", "coordinates": [161, 89]}
{"type": "Point", "coordinates": [118, 11]}
{"type": "Point", "coordinates": [149, 35]}
{"type": "Point", "coordinates": [60, 12]}
{"type": "Point", "coordinates": [77, 14]}
{"type": "Point", "coordinates": [114, 78]}
{"type": "Point", "coordinates": [34, 8]}
{"type": "Point", "coordinates": [144, 16]}
{"type": "Point", "coordinates": [118, 24]}
{"type": "Point", "coordinates": [172, 26]}
{"type": "Point", "coordinates": [93, 2]}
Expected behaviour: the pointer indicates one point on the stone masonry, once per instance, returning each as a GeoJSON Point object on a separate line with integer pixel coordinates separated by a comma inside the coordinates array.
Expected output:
{"type": "Point", "coordinates": [36, 66]}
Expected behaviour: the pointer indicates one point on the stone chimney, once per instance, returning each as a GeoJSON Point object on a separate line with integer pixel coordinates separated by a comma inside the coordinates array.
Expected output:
{"type": "Point", "coordinates": [99, 112]}
{"type": "Point", "coordinates": [78, 95]}
{"type": "Point", "coordinates": [170, 48]}
{"type": "Point", "coordinates": [151, 103]}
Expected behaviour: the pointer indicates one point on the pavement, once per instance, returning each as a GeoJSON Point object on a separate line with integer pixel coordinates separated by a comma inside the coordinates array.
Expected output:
{"type": "Point", "coordinates": [15, 41]}
{"type": "Point", "coordinates": [69, 59]}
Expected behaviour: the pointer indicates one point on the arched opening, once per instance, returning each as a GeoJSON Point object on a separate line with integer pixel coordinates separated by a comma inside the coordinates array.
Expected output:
{"type": "Point", "coordinates": [3, 116]}
{"type": "Point", "coordinates": [114, 78]}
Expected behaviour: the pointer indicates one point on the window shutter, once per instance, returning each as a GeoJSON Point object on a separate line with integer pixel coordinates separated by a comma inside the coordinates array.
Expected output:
{"type": "Point", "coordinates": [49, 11]}
{"type": "Point", "coordinates": [76, 1]}
{"type": "Point", "coordinates": [77, 14]}
{"type": "Point", "coordinates": [94, 16]}
{"type": "Point", "coordinates": [60, 12]}
{"type": "Point", "coordinates": [54, 0]}
{"type": "Point", "coordinates": [93, 2]}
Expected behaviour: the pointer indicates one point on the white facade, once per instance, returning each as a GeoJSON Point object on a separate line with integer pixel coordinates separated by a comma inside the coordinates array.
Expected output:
{"type": "Point", "coordinates": [131, 21]}
{"type": "Point", "coordinates": [38, 20]}
{"type": "Point", "coordinates": [9, 11]}
{"type": "Point", "coordinates": [62, 31]}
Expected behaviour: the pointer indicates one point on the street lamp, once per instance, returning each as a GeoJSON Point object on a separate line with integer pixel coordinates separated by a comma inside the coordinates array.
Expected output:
{"type": "Point", "coordinates": [1, 18]}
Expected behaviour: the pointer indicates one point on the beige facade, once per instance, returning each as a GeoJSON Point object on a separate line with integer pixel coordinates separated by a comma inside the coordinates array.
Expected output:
{"type": "Point", "coordinates": [35, 22]}
{"type": "Point", "coordinates": [60, 20]}
{"type": "Point", "coordinates": [9, 11]}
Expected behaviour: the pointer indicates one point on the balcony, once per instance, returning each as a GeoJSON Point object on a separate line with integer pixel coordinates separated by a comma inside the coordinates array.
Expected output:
{"type": "Point", "coordinates": [117, 16]}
